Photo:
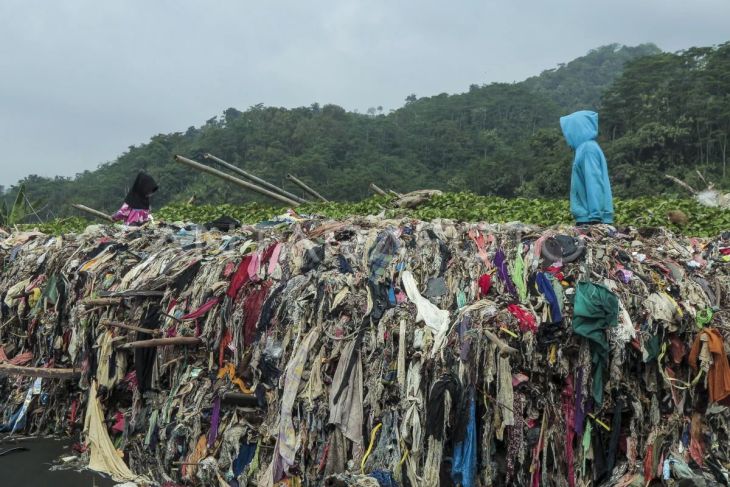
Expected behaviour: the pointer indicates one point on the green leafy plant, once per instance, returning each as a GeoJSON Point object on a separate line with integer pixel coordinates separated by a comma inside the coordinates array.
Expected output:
{"type": "Point", "coordinates": [17, 212]}
{"type": "Point", "coordinates": [640, 212]}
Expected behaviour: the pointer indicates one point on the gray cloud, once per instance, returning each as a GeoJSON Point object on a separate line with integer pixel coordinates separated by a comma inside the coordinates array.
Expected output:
{"type": "Point", "coordinates": [81, 80]}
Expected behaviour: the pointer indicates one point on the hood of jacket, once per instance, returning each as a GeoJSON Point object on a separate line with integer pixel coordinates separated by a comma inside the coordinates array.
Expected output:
{"type": "Point", "coordinates": [138, 197]}
{"type": "Point", "coordinates": [579, 127]}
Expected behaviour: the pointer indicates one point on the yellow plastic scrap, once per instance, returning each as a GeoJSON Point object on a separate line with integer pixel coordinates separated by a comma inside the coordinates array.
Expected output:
{"type": "Point", "coordinates": [676, 305]}
{"type": "Point", "coordinates": [370, 448]}
{"type": "Point", "coordinates": [553, 354]}
{"type": "Point", "coordinates": [228, 370]}
{"type": "Point", "coordinates": [508, 331]}
{"type": "Point", "coordinates": [599, 422]}
{"type": "Point", "coordinates": [35, 296]}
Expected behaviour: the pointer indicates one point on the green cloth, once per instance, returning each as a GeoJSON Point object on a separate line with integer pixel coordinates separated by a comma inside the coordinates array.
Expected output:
{"type": "Point", "coordinates": [517, 273]}
{"type": "Point", "coordinates": [652, 348]}
{"type": "Point", "coordinates": [704, 317]}
{"type": "Point", "coordinates": [586, 444]}
{"type": "Point", "coordinates": [460, 299]}
{"type": "Point", "coordinates": [595, 309]}
{"type": "Point", "coordinates": [50, 292]}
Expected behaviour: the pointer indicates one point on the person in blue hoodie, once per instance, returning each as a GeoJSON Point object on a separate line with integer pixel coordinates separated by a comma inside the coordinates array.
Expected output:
{"type": "Point", "coordinates": [590, 190]}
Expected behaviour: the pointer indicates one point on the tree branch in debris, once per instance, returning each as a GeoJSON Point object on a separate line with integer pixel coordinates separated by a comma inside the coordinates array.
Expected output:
{"type": "Point", "coordinates": [94, 212]}
{"type": "Point", "coordinates": [162, 342]}
{"type": "Point", "coordinates": [503, 347]}
{"type": "Point", "coordinates": [124, 326]}
{"type": "Point", "coordinates": [45, 372]}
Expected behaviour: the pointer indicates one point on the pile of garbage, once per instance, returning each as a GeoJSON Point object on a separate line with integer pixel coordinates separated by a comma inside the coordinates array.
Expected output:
{"type": "Point", "coordinates": [370, 352]}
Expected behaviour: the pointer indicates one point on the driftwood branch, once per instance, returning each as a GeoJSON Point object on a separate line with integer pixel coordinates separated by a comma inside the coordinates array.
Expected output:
{"type": "Point", "coordinates": [416, 198]}
{"type": "Point", "coordinates": [48, 373]}
{"type": "Point", "coordinates": [162, 342]}
{"type": "Point", "coordinates": [124, 326]}
{"type": "Point", "coordinates": [133, 293]}
{"type": "Point", "coordinates": [94, 212]}
{"type": "Point", "coordinates": [306, 188]}
{"type": "Point", "coordinates": [503, 347]}
{"type": "Point", "coordinates": [702, 177]}
{"type": "Point", "coordinates": [377, 189]}
{"type": "Point", "coordinates": [681, 183]}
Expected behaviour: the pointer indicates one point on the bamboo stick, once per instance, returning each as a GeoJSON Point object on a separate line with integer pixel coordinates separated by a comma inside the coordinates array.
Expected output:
{"type": "Point", "coordinates": [306, 188]}
{"type": "Point", "coordinates": [253, 178]}
{"type": "Point", "coordinates": [234, 180]}
{"type": "Point", "coordinates": [133, 293]}
{"type": "Point", "coordinates": [48, 373]}
{"type": "Point", "coordinates": [378, 189]}
{"type": "Point", "coordinates": [162, 342]}
{"type": "Point", "coordinates": [124, 326]}
{"type": "Point", "coordinates": [94, 212]}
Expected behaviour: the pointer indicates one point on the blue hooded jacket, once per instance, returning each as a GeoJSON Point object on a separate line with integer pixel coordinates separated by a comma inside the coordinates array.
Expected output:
{"type": "Point", "coordinates": [590, 189]}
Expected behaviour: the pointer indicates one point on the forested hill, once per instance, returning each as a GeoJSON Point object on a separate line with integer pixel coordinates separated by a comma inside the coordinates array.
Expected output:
{"type": "Point", "coordinates": [660, 112]}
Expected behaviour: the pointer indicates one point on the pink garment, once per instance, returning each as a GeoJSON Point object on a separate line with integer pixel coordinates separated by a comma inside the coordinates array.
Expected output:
{"type": "Point", "coordinates": [274, 260]}
{"type": "Point", "coordinates": [201, 311]}
{"type": "Point", "coordinates": [253, 268]}
{"type": "Point", "coordinates": [480, 242]}
{"type": "Point", "coordinates": [118, 426]}
{"type": "Point", "coordinates": [131, 216]}
{"type": "Point", "coordinates": [21, 359]}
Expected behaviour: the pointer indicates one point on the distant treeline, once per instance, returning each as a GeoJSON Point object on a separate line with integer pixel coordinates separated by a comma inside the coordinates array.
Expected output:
{"type": "Point", "coordinates": [659, 113]}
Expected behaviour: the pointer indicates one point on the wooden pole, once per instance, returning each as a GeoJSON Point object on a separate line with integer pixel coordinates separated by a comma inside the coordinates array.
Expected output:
{"type": "Point", "coordinates": [253, 178]}
{"type": "Point", "coordinates": [162, 342]}
{"type": "Point", "coordinates": [133, 293]}
{"type": "Point", "coordinates": [503, 347]}
{"type": "Point", "coordinates": [124, 326]}
{"type": "Point", "coordinates": [378, 189]}
{"type": "Point", "coordinates": [102, 301]}
{"type": "Point", "coordinates": [234, 180]}
{"type": "Point", "coordinates": [48, 373]}
{"type": "Point", "coordinates": [306, 188]}
{"type": "Point", "coordinates": [94, 212]}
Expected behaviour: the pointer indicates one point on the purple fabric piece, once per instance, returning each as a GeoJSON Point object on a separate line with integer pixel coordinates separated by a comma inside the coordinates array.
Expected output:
{"type": "Point", "coordinates": [215, 420]}
{"type": "Point", "coordinates": [580, 414]}
{"type": "Point", "coordinates": [464, 327]}
{"type": "Point", "coordinates": [500, 262]}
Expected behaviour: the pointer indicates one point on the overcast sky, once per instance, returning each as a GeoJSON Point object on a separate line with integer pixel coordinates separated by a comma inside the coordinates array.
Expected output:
{"type": "Point", "coordinates": [81, 80]}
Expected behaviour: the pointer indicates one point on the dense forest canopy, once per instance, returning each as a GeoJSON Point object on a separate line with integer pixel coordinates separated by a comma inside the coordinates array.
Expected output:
{"type": "Point", "coordinates": [660, 113]}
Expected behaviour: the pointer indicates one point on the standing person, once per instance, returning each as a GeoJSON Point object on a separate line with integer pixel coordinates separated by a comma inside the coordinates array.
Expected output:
{"type": "Point", "coordinates": [136, 207]}
{"type": "Point", "coordinates": [590, 190]}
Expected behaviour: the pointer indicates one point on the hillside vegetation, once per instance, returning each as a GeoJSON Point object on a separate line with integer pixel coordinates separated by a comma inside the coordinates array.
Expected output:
{"type": "Point", "coordinates": [660, 113]}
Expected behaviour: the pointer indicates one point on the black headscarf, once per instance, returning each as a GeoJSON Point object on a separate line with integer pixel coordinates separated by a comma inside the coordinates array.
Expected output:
{"type": "Point", "coordinates": [138, 197]}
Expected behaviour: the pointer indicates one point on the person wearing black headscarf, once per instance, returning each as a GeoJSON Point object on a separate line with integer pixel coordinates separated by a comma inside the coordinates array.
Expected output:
{"type": "Point", "coordinates": [136, 207]}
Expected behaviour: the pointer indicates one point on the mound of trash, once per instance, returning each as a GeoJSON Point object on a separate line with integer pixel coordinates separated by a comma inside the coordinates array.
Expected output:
{"type": "Point", "coordinates": [372, 352]}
